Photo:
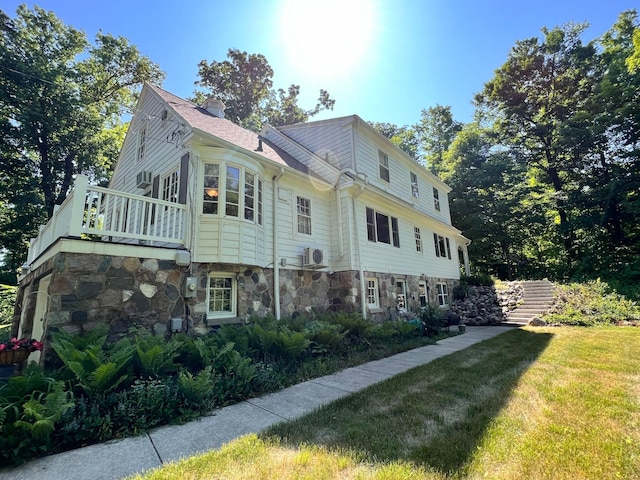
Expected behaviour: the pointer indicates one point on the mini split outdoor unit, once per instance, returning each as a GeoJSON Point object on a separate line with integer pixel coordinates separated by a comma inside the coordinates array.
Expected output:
{"type": "Point", "coordinates": [314, 257]}
{"type": "Point", "coordinates": [143, 179]}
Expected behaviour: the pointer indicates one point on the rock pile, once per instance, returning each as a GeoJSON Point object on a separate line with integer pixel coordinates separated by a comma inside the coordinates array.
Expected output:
{"type": "Point", "coordinates": [483, 305]}
{"type": "Point", "coordinates": [510, 297]}
{"type": "Point", "coordinates": [479, 307]}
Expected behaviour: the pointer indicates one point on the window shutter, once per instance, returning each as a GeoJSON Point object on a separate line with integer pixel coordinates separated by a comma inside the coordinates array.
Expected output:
{"type": "Point", "coordinates": [435, 242]}
{"type": "Point", "coordinates": [184, 177]}
{"type": "Point", "coordinates": [155, 186]}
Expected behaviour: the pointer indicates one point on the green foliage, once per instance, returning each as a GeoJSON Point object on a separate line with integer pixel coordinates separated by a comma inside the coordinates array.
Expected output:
{"type": "Point", "coordinates": [592, 303]}
{"type": "Point", "coordinates": [154, 356]}
{"type": "Point", "coordinates": [61, 102]}
{"type": "Point", "coordinates": [7, 303]}
{"type": "Point", "coordinates": [278, 341]}
{"type": "Point", "coordinates": [95, 369]}
{"type": "Point", "coordinates": [354, 327]}
{"type": "Point", "coordinates": [244, 83]}
{"type": "Point", "coordinates": [432, 320]}
{"type": "Point", "coordinates": [30, 407]}
{"type": "Point", "coordinates": [134, 384]}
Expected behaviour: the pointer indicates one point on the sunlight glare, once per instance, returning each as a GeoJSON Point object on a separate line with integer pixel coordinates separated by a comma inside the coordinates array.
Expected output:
{"type": "Point", "coordinates": [326, 38]}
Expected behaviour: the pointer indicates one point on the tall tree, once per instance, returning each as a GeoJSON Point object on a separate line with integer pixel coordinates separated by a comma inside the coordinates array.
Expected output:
{"type": "Point", "coordinates": [59, 95]}
{"type": "Point", "coordinates": [244, 83]}
{"type": "Point", "coordinates": [533, 95]}
{"type": "Point", "coordinates": [436, 131]}
{"type": "Point", "coordinates": [405, 138]}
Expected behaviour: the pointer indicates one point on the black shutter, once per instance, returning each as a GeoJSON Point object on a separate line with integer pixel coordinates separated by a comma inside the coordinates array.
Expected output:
{"type": "Point", "coordinates": [184, 177]}
{"type": "Point", "coordinates": [155, 189]}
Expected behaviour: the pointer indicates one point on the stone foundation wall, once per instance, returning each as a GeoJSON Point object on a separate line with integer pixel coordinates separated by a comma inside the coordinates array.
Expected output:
{"type": "Point", "coordinates": [86, 291]}
{"type": "Point", "coordinates": [90, 290]}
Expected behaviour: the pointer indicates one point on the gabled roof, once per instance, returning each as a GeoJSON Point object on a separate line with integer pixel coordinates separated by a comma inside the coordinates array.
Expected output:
{"type": "Point", "coordinates": [200, 119]}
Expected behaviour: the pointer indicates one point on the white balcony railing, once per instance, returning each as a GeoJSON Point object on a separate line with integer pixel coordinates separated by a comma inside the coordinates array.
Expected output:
{"type": "Point", "coordinates": [113, 216]}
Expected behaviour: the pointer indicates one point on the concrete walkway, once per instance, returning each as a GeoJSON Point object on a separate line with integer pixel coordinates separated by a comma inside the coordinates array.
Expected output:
{"type": "Point", "coordinates": [120, 458]}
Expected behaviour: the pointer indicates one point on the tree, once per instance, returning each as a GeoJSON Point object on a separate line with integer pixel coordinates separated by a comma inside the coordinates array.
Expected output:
{"type": "Point", "coordinates": [244, 83]}
{"type": "Point", "coordinates": [405, 138]}
{"type": "Point", "coordinates": [59, 96]}
{"type": "Point", "coordinates": [532, 96]}
{"type": "Point", "coordinates": [436, 132]}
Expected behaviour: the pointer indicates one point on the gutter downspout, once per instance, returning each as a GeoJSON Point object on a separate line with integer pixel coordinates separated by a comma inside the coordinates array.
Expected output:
{"type": "Point", "coordinates": [363, 305]}
{"type": "Point", "coordinates": [276, 260]}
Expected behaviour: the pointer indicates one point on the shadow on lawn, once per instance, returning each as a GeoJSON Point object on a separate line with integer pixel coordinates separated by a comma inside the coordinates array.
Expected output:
{"type": "Point", "coordinates": [434, 415]}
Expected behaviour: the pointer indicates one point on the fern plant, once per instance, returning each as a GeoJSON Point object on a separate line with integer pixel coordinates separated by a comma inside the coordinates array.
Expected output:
{"type": "Point", "coordinates": [30, 406]}
{"type": "Point", "coordinates": [96, 371]}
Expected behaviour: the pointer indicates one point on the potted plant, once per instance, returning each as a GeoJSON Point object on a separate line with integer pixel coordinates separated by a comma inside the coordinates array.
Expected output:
{"type": "Point", "coordinates": [16, 351]}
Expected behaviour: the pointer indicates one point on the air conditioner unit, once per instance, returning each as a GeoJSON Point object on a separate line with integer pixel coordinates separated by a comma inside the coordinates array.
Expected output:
{"type": "Point", "coordinates": [144, 179]}
{"type": "Point", "coordinates": [314, 257]}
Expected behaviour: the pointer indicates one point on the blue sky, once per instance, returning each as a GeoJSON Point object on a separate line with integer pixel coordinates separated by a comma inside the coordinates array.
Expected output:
{"type": "Point", "coordinates": [384, 60]}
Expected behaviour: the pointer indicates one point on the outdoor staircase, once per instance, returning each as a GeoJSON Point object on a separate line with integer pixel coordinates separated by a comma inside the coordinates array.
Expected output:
{"type": "Point", "coordinates": [537, 298]}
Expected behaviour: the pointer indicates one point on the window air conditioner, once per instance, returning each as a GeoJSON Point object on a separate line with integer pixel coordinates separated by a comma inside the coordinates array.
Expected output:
{"type": "Point", "coordinates": [143, 179]}
{"type": "Point", "coordinates": [314, 257]}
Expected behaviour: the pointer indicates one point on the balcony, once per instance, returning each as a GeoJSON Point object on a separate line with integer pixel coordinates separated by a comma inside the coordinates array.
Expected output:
{"type": "Point", "coordinates": [97, 213]}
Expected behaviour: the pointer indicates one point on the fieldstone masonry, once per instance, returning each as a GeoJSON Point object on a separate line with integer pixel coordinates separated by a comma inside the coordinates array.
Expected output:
{"type": "Point", "coordinates": [86, 291]}
{"type": "Point", "coordinates": [91, 290]}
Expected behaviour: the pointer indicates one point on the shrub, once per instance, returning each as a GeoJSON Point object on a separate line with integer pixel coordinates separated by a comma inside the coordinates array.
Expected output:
{"type": "Point", "coordinates": [30, 406]}
{"type": "Point", "coordinates": [95, 369]}
{"type": "Point", "coordinates": [591, 303]}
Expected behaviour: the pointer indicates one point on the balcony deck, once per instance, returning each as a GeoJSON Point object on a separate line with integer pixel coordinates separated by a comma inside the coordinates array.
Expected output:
{"type": "Point", "coordinates": [113, 216]}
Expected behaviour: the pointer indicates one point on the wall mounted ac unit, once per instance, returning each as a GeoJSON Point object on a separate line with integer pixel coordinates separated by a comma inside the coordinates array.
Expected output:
{"type": "Point", "coordinates": [144, 179]}
{"type": "Point", "coordinates": [314, 257]}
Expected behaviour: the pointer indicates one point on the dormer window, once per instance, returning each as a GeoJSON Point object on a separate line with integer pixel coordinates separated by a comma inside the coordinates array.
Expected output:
{"type": "Point", "coordinates": [436, 199]}
{"type": "Point", "coordinates": [383, 160]}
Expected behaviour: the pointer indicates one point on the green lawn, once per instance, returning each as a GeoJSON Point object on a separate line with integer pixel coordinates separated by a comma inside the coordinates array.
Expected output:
{"type": "Point", "coordinates": [556, 403]}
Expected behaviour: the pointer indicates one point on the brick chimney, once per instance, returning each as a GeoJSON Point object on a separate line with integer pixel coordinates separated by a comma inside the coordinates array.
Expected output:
{"type": "Point", "coordinates": [215, 107]}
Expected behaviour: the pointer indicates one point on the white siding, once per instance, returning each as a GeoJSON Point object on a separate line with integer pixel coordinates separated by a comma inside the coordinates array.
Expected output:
{"type": "Point", "coordinates": [382, 257]}
{"type": "Point", "coordinates": [328, 139]}
{"type": "Point", "coordinates": [161, 156]}
{"type": "Point", "coordinates": [399, 185]}
{"type": "Point", "coordinates": [229, 239]}
{"type": "Point", "coordinates": [291, 244]}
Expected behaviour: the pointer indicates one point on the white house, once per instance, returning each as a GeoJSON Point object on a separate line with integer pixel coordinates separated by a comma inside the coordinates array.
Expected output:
{"type": "Point", "coordinates": [205, 222]}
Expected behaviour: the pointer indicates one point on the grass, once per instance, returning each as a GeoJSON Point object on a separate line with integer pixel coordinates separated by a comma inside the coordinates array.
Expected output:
{"type": "Point", "coordinates": [552, 403]}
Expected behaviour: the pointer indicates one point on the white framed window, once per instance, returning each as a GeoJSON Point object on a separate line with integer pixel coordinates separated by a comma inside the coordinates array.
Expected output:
{"type": "Point", "coordinates": [221, 295]}
{"type": "Point", "coordinates": [382, 228]}
{"type": "Point", "coordinates": [239, 195]}
{"type": "Point", "coordinates": [304, 215]}
{"type": "Point", "coordinates": [414, 185]}
{"type": "Point", "coordinates": [171, 186]}
{"type": "Point", "coordinates": [418, 237]}
{"type": "Point", "coordinates": [142, 143]}
{"type": "Point", "coordinates": [249, 196]}
{"type": "Point", "coordinates": [443, 247]}
{"type": "Point", "coordinates": [423, 293]}
{"type": "Point", "coordinates": [232, 192]}
{"type": "Point", "coordinates": [211, 188]}
{"type": "Point", "coordinates": [436, 199]}
{"type": "Point", "coordinates": [383, 160]}
{"type": "Point", "coordinates": [373, 297]}
{"type": "Point", "coordinates": [443, 294]}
